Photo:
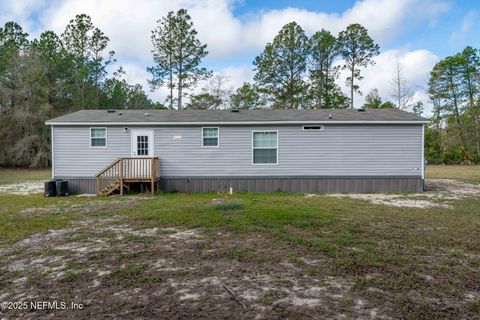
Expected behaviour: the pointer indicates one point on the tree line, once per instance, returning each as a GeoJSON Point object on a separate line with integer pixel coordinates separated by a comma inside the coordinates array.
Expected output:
{"type": "Point", "coordinates": [293, 71]}
{"type": "Point", "coordinates": [453, 135]}
{"type": "Point", "coordinates": [50, 76]}
{"type": "Point", "coordinates": [56, 74]}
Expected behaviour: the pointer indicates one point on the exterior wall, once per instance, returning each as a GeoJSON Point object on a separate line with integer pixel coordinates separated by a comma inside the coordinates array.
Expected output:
{"type": "Point", "coordinates": [73, 156]}
{"type": "Point", "coordinates": [338, 151]}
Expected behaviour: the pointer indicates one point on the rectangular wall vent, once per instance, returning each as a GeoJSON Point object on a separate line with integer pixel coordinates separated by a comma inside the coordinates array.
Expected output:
{"type": "Point", "coordinates": [313, 128]}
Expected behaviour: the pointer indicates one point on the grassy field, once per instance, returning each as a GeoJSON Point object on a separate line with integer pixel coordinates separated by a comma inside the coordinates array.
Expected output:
{"type": "Point", "coordinates": [8, 176]}
{"type": "Point", "coordinates": [280, 255]}
{"type": "Point", "coordinates": [458, 172]}
{"type": "Point", "coordinates": [469, 173]}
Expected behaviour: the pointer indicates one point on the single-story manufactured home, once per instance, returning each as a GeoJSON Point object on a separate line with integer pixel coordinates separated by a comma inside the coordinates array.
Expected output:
{"type": "Point", "coordinates": [336, 150]}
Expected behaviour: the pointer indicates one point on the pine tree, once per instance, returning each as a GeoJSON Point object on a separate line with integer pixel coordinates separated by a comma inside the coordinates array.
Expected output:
{"type": "Point", "coordinates": [85, 44]}
{"type": "Point", "coordinates": [12, 42]}
{"type": "Point", "coordinates": [281, 68]}
{"type": "Point", "coordinates": [324, 91]}
{"type": "Point", "coordinates": [358, 50]}
{"type": "Point", "coordinates": [248, 96]}
{"type": "Point", "coordinates": [177, 54]}
{"type": "Point", "coordinates": [446, 85]}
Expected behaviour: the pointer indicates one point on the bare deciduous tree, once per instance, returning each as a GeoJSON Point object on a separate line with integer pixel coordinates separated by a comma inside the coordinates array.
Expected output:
{"type": "Point", "coordinates": [402, 92]}
{"type": "Point", "coordinates": [215, 94]}
{"type": "Point", "coordinates": [219, 87]}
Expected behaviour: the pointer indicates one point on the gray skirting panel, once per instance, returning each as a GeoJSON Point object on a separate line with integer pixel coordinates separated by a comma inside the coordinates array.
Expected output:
{"type": "Point", "coordinates": [81, 185]}
{"type": "Point", "coordinates": [270, 184]}
{"type": "Point", "coordinates": [294, 184]}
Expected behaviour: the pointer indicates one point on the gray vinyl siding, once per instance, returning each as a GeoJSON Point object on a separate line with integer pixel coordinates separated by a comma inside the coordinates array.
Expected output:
{"type": "Point", "coordinates": [73, 156]}
{"type": "Point", "coordinates": [339, 150]}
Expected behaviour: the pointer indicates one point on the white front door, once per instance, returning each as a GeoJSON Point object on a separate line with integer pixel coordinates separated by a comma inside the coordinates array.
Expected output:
{"type": "Point", "coordinates": [142, 143]}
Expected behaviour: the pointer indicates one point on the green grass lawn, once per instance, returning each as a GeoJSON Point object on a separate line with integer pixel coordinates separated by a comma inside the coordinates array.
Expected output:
{"type": "Point", "coordinates": [8, 176]}
{"type": "Point", "coordinates": [458, 172]}
{"type": "Point", "coordinates": [16, 222]}
{"type": "Point", "coordinates": [416, 255]}
{"type": "Point", "coordinates": [423, 263]}
{"type": "Point", "coordinates": [469, 173]}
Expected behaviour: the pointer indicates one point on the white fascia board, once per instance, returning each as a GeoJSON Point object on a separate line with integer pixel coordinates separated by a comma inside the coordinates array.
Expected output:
{"type": "Point", "coordinates": [183, 123]}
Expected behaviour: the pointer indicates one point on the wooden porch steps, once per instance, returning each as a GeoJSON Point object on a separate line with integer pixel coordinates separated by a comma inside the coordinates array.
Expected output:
{"type": "Point", "coordinates": [121, 172]}
{"type": "Point", "coordinates": [111, 188]}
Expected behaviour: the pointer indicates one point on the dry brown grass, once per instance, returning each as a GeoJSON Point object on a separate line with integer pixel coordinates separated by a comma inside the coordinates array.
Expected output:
{"type": "Point", "coordinates": [8, 176]}
{"type": "Point", "coordinates": [457, 172]}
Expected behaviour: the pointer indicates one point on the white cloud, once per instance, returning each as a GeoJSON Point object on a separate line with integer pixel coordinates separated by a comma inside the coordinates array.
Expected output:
{"type": "Point", "coordinates": [237, 75]}
{"type": "Point", "coordinates": [380, 26]}
{"type": "Point", "coordinates": [416, 67]}
{"type": "Point", "coordinates": [135, 73]}
{"type": "Point", "coordinates": [383, 18]}
{"type": "Point", "coordinates": [128, 24]}
{"type": "Point", "coordinates": [20, 12]}
{"type": "Point", "coordinates": [232, 78]}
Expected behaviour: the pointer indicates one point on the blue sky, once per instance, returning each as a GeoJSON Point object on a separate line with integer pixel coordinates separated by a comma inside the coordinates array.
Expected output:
{"type": "Point", "coordinates": [444, 35]}
{"type": "Point", "coordinates": [326, 6]}
{"type": "Point", "coordinates": [417, 33]}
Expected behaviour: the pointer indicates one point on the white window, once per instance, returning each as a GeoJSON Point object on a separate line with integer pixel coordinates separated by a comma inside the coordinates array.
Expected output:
{"type": "Point", "coordinates": [265, 147]}
{"type": "Point", "coordinates": [98, 137]}
{"type": "Point", "coordinates": [210, 137]}
{"type": "Point", "coordinates": [315, 127]}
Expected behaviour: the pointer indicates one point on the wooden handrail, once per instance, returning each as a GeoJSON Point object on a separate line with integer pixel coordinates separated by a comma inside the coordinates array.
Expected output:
{"type": "Point", "coordinates": [143, 168]}
{"type": "Point", "coordinates": [126, 170]}
{"type": "Point", "coordinates": [111, 164]}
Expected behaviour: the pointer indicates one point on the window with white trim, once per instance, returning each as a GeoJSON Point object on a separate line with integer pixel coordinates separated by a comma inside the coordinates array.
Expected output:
{"type": "Point", "coordinates": [265, 147]}
{"type": "Point", "coordinates": [210, 137]}
{"type": "Point", "coordinates": [98, 137]}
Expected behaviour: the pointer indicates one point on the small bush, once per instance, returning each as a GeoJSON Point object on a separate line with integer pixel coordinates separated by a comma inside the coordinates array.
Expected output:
{"type": "Point", "coordinates": [229, 206]}
{"type": "Point", "coordinates": [140, 239]}
{"type": "Point", "coordinates": [70, 276]}
{"type": "Point", "coordinates": [474, 306]}
{"type": "Point", "coordinates": [132, 275]}
{"type": "Point", "coordinates": [240, 254]}
{"type": "Point", "coordinates": [3, 273]}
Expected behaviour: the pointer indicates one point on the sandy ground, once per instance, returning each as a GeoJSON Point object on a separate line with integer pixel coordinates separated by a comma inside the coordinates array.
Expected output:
{"type": "Point", "coordinates": [440, 193]}
{"type": "Point", "coordinates": [456, 187]}
{"type": "Point", "coordinates": [438, 188]}
{"type": "Point", "coordinates": [24, 188]}
{"type": "Point", "coordinates": [172, 274]}
{"type": "Point", "coordinates": [175, 273]}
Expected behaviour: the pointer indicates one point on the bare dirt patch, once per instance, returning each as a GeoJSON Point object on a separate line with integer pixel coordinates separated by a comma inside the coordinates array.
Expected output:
{"type": "Point", "coordinates": [172, 273]}
{"type": "Point", "coordinates": [392, 200]}
{"type": "Point", "coordinates": [458, 188]}
{"type": "Point", "coordinates": [440, 193]}
{"type": "Point", "coordinates": [24, 188]}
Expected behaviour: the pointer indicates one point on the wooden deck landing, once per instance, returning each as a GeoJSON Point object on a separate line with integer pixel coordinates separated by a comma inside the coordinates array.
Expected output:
{"type": "Point", "coordinates": [124, 171]}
